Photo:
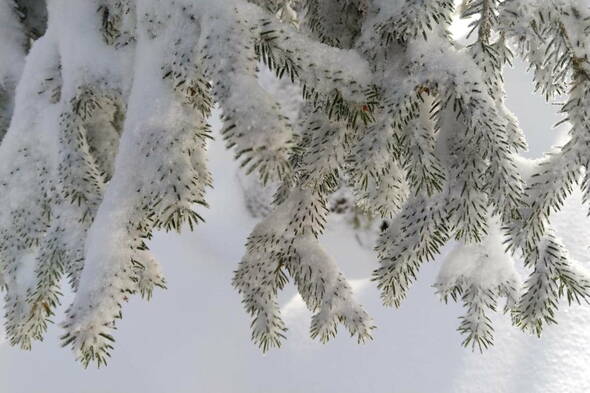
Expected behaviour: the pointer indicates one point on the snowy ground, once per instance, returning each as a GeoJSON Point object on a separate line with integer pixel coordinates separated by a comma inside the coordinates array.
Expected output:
{"type": "Point", "coordinates": [194, 337]}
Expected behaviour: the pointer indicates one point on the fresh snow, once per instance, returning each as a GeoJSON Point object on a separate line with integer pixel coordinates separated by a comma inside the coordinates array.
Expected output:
{"type": "Point", "coordinates": [194, 336]}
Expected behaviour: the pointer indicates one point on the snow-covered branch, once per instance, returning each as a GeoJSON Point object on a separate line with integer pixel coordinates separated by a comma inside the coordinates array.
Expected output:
{"type": "Point", "coordinates": [105, 106]}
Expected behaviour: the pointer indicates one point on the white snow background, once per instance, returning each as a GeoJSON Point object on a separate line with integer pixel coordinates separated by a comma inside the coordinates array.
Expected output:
{"type": "Point", "coordinates": [194, 337]}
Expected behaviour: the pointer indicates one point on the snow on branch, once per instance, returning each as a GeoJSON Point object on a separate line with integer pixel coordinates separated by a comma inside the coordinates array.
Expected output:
{"type": "Point", "coordinates": [477, 274]}
{"type": "Point", "coordinates": [553, 37]}
{"type": "Point", "coordinates": [105, 106]}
